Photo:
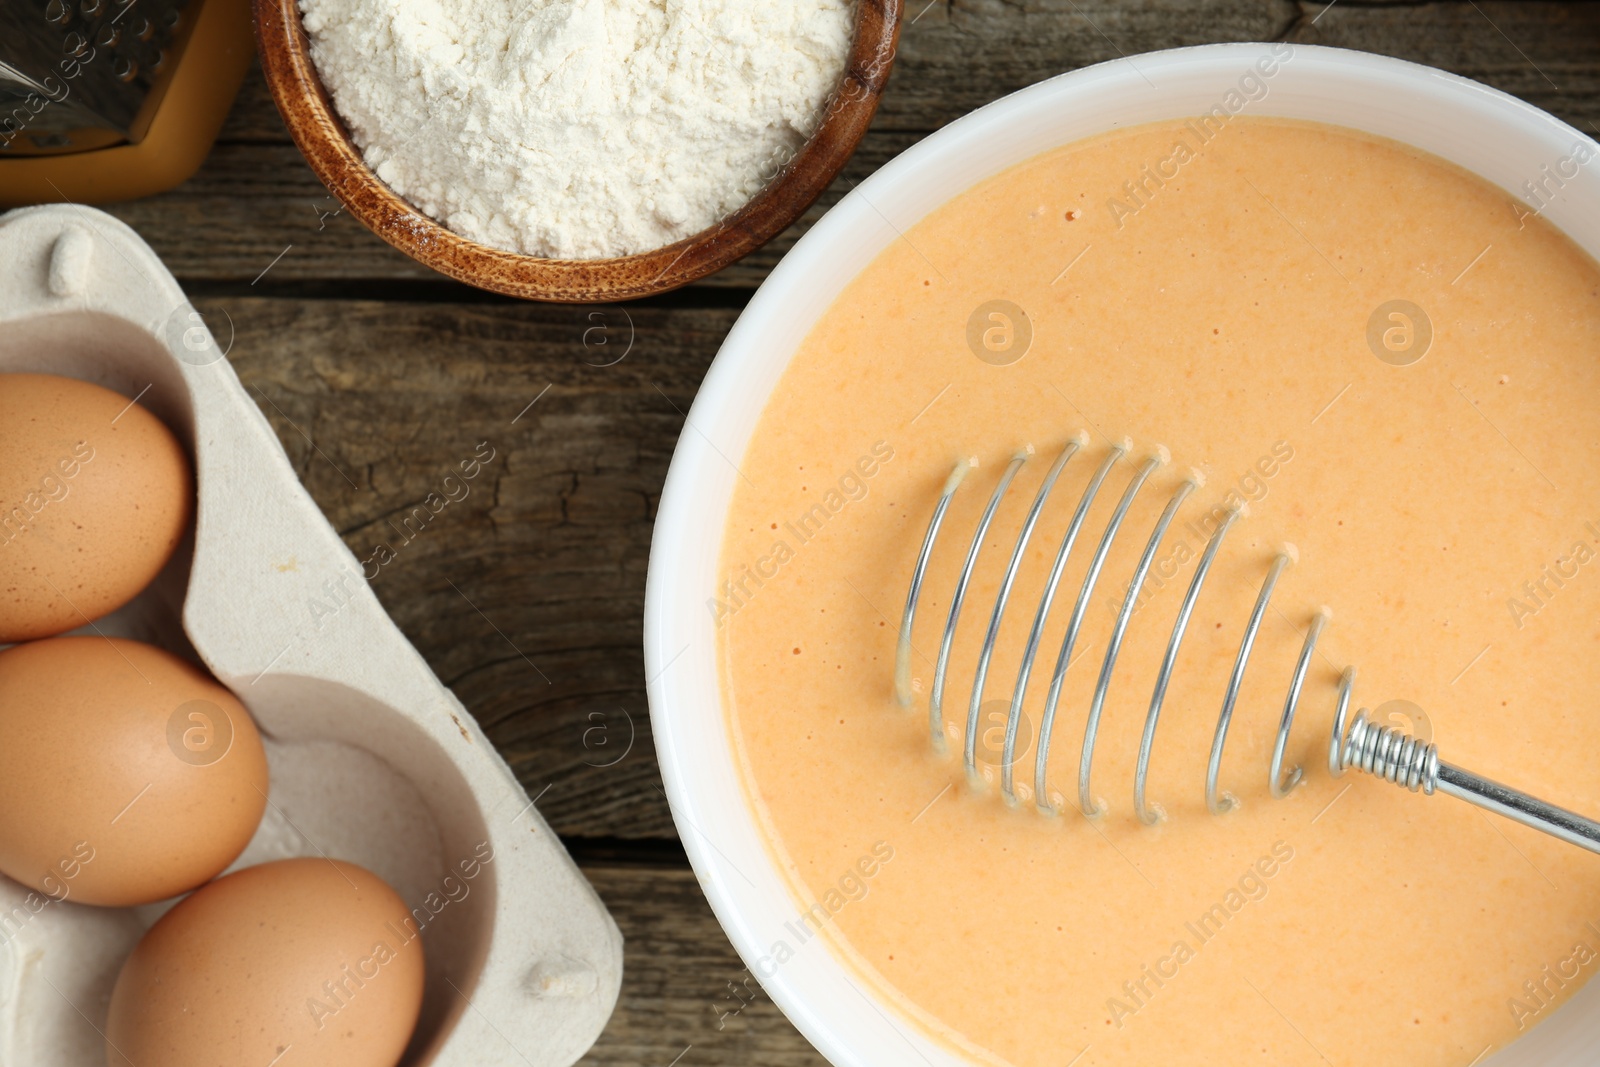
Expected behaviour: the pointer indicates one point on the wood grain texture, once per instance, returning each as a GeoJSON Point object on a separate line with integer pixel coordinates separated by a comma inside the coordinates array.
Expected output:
{"type": "Point", "coordinates": [685, 992]}
{"type": "Point", "coordinates": [526, 597]}
{"type": "Point", "coordinates": [256, 197]}
{"type": "Point", "coordinates": [254, 202]}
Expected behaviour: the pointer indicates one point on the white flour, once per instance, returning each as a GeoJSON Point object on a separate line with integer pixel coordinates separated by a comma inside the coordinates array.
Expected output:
{"type": "Point", "coordinates": [578, 128]}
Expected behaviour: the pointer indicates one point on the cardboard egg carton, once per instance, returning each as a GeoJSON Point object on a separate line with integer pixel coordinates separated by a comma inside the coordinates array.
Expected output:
{"type": "Point", "coordinates": [373, 760]}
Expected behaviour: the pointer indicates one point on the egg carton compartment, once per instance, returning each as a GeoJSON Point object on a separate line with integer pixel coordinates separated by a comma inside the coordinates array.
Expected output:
{"type": "Point", "coordinates": [372, 759]}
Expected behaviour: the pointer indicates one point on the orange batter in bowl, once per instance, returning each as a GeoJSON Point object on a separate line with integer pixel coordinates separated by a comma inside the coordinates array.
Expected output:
{"type": "Point", "coordinates": [1395, 364]}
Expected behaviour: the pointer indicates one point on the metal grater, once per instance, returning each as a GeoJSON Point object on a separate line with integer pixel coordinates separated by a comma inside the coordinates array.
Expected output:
{"type": "Point", "coordinates": [86, 74]}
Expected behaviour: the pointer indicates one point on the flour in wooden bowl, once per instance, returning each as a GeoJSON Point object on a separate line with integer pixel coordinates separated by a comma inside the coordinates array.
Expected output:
{"type": "Point", "coordinates": [578, 129]}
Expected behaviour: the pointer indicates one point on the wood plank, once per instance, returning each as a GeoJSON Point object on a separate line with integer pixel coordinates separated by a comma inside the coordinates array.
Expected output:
{"type": "Point", "coordinates": [527, 595]}
{"type": "Point", "coordinates": [255, 198]}
{"type": "Point", "coordinates": [683, 985]}
{"type": "Point", "coordinates": [959, 54]}
{"type": "Point", "coordinates": [956, 55]}
{"type": "Point", "coordinates": [254, 116]}
{"type": "Point", "coordinates": [1545, 53]}
{"type": "Point", "coordinates": [256, 214]}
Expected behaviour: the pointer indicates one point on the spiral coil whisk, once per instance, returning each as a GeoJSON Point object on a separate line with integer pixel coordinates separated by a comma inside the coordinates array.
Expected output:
{"type": "Point", "coordinates": [1384, 751]}
{"type": "Point", "coordinates": [1149, 813]}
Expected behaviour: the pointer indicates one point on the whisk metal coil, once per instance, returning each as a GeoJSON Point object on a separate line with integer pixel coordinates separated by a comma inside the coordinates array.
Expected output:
{"type": "Point", "coordinates": [1087, 803]}
{"type": "Point", "coordinates": [1279, 786]}
{"type": "Point", "coordinates": [1152, 814]}
{"type": "Point", "coordinates": [1036, 633]}
{"type": "Point", "coordinates": [1080, 611]}
{"type": "Point", "coordinates": [1384, 751]}
{"type": "Point", "coordinates": [1390, 753]}
{"type": "Point", "coordinates": [974, 707]}
{"type": "Point", "coordinates": [936, 700]}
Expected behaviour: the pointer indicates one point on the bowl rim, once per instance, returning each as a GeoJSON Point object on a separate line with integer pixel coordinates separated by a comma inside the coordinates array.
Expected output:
{"type": "Point", "coordinates": [697, 754]}
{"type": "Point", "coordinates": [321, 136]}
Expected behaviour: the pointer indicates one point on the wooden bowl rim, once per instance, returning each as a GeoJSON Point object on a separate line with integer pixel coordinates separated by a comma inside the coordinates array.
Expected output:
{"type": "Point", "coordinates": [320, 134]}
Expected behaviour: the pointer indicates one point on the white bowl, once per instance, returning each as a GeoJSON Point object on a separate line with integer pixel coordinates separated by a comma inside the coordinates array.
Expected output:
{"type": "Point", "coordinates": [1494, 135]}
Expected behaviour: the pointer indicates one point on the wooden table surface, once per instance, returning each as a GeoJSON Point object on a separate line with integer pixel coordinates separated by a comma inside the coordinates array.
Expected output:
{"type": "Point", "coordinates": [527, 597]}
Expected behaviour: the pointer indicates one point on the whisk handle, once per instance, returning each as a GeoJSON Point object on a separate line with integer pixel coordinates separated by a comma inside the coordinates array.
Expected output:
{"type": "Point", "coordinates": [1514, 804]}
{"type": "Point", "coordinates": [1392, 754]}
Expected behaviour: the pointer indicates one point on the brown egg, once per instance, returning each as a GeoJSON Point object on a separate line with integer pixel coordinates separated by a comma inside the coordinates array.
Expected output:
{"type": "Point", "coordinates": [94, 496]}
{"type": "Point", "coordinates": [127, 775]}
{"type": "Point", "coordinates": [299, 963]}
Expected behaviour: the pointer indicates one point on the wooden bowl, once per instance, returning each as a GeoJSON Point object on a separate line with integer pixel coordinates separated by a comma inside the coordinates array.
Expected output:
{"type": "Point", "coordinates": [323, 139]}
